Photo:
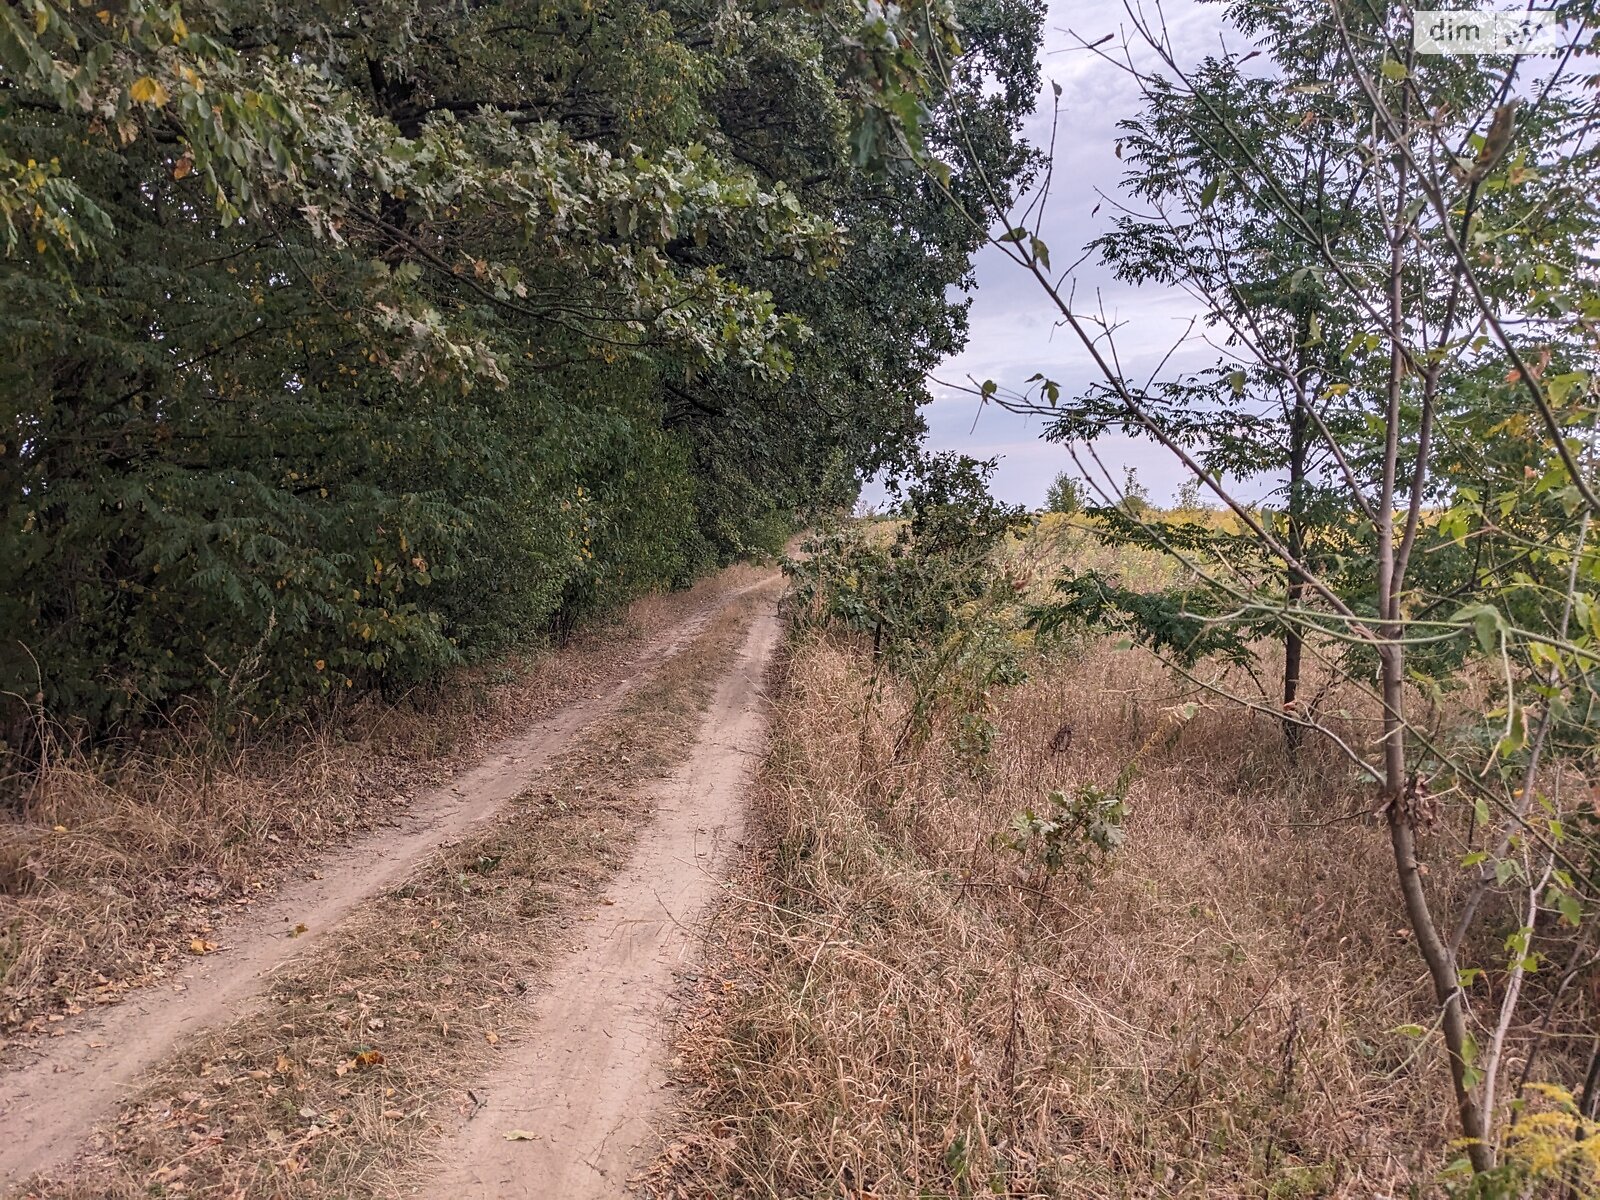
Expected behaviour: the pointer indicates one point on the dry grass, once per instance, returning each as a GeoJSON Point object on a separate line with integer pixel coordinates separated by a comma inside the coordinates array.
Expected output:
{"type": "Point", "coordinates": [114, 860]}
{"type": "Point", "coordinates": [895, 1015]}
{"type": "Point", "coordinates": [362, 1054]}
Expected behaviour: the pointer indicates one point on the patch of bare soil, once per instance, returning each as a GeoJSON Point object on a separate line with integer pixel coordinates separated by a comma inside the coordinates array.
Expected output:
{"type": "Point", "coordinates": [364, 1049]}
{"type": "Point", "coordinates": [58, 1089]}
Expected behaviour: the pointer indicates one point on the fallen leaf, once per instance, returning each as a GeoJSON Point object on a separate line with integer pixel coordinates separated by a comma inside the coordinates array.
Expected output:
{"type": "Point", "coordinates": [297, 931]}
{"type": "Point", "coordinates": [369, 1058]}
{"type": "Point", "coordinates": [521, 1135]}
{"type": "Point", "coordinates": [492, 1038]}
{"type": "Point", "coordinates": [201, 946]}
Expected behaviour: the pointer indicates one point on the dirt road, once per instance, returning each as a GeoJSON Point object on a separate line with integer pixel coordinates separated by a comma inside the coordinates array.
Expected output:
{"type": "Point", "coordinates": [50, 1104]}
{"type": "Point", "coordinates": [570, 1112]}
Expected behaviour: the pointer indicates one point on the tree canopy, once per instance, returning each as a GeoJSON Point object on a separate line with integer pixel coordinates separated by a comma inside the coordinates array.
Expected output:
{"type": "Point", "coordinates": [344, 343]}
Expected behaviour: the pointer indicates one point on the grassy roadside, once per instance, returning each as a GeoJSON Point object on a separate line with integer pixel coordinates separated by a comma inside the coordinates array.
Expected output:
{"type": "Point", "coordinates": [359, 1056]}
{"type": "Point", "coordinates": [900, 1008]}
{"type": "Point", "coordinates": [115, 861]}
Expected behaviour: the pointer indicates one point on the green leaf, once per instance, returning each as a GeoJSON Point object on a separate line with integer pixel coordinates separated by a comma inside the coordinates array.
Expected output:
{"type": "Point", "coordinates": [1487, 623]}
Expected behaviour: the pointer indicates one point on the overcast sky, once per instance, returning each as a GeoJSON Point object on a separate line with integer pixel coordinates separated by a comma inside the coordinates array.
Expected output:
{"type": "Point", "coordinates": [1012, 334]}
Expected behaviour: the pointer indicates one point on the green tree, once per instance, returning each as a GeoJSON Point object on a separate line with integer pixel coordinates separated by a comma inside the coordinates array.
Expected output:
{"type": "Point", "coordinates": [1066, 494]}
{"type": "Point", "coordinates": [341, 346]}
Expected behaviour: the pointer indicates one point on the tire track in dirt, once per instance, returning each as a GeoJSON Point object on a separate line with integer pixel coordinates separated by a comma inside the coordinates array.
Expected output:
{"type": "Point", "coordinates": [51, 1103]}
{"type": "Point", "coordinates": [587, 1082]}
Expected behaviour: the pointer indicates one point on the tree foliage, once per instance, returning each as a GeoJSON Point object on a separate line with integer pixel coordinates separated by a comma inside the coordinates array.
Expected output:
{"type": "Point", "coordinates": [934, 601]}
{"type": "Point", "coordinates": [340, 344]}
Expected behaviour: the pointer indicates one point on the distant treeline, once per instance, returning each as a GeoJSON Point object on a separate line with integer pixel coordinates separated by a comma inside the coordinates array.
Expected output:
{"type": "Point", "coordinates": [343, 344]}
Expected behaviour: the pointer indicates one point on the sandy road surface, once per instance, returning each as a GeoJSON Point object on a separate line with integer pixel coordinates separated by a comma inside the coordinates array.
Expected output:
{"type": "Point", "coordinates": [587, 1080]}
{"type": "Point", "coordinates": [50, 1104]}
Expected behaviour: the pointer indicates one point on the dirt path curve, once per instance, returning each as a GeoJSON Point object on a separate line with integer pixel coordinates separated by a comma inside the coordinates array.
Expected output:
{"type": "Point", "coordinates": [588, 1079]}
{"type": "Point", "coordinates": [50, 1104]}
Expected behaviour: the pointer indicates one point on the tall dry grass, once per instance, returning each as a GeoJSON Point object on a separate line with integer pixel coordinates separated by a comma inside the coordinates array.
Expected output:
{"type": "Point", "coordinates": [113, 858]}
{"type": "Point", "coordinates": [897, 1012]}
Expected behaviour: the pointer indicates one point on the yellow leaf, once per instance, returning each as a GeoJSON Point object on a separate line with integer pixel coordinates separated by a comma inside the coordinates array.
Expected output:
{"type": "Point", "coordinates": [521, 1135]}
{"type": "Point", "coordinates": [492, 1038]}
{"type": "Point", "coordinates": [41, 19]}
{"type": "Point", "coordinates": [147, 91]}
{"type": "Point", "coordinates": [201, 946]}
{"type": "Point", "coordinates": [179, 30]}
{"type": "Point", "coordinates": [182, 167]}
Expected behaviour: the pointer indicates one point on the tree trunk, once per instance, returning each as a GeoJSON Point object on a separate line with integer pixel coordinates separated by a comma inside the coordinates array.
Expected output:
{"type": "Point", "coordinates": [1398, 793]}
{"type": "Point", "coordinates": [1293, 636]}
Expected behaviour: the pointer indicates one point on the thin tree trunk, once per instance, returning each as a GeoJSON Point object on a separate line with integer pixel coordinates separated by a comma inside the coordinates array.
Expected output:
{"type": "Point", "coordinates": [1398, 794]}
{"type": "Point", "coordinates": [1293, 635]}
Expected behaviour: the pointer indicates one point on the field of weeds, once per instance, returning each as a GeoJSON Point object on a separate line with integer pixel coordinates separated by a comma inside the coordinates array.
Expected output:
{"type": "Point", "coordinates": [913, 998]}
{"type": "Point", "coordinates": [917, 1013]}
